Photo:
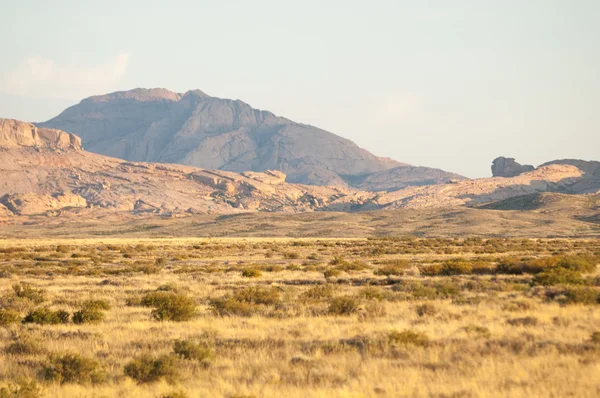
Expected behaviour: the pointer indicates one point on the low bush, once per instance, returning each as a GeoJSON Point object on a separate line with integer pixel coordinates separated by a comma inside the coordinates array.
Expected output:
{"type": "Point", "coordinates": [558, 276]}
{"type": "Point", "coordinates": [372, 293]}
{"type": "Point", "coordinates": [408, 337]}
{"type": "Point", "coordinates": [46, 316]}
{"type": "Point", "coordinates": [72, 368]}
{"type": "Point", "coordinates": [186, 349]}
{"type": "Point", "coordinates": [251, 273]}
{"type": "Point", "coordinates": [426, 310]}
{"type": "Point", "coordinates": [456, 267]}
{"type": "Point", "coordinates": [24, 290]}
{"type": "Point", "coordinates": [393, 267]}
{"type": "Point", "coordinates": [170, 306]}
{"type": "Point", "coordinates": [343, 305]}
{"type": "Point", "coordinates": [245, 302]}
{"type": "Point", "coordinates": [25, 345]}
{"type": "Point", "coordinates": [23, 389]}
{"type": "Point", "coordinates": [580, 295]}
{"type": "Point", "coordinates": [8, 317]}
{"type": "Point", "coordinates": [147, 369]}
{"type": "Point", "coordinates": [317, 293]}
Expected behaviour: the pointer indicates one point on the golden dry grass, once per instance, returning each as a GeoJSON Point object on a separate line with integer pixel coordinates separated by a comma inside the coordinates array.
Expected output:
{"type": "Point", "coordinates": [297, 348]}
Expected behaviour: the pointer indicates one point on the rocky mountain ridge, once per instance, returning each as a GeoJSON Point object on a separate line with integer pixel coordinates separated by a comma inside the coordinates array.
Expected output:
{"type": "Point", "coordinates": [193, 128]}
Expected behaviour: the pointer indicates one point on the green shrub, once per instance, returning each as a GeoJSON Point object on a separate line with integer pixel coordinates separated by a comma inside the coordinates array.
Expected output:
{"type": "Point", "coordinates": [147, 369]}
{"type": "Point", "coordinates": [96, 305]}
{"type": "Point", "coordinates": [186, 349]}
{"type": "Point", "coordinates": [251, 273]}
{"type": "Point", "coordinates": [432, 270]}
{"type": "Point", "coordinates": [258, 295]}
{"type": "Point", "coordinates": [8, 317]}
{"type": "Point", "coordinates": [25, 290]}
{"type": "Point", "coordinates": [170, 306]}
{"type": "Point", "coordinates": [581, 263]}
{"type": "Point", "coordinates": [88, 315]}
{"type": "Point", "coordinates": [557, 276]}
{"type": "Point", "coordinates": [343, 305]}
{"type": "Point", "coordinates": [580, 295]}
{"type": "Point", "coordinates": [408, 337]}
{"type": "Point", "coordinates": [72, 368]}
{"type": "Point", "coordinates": [456, 267]}
{"type": "Point", "coordinates": [45, 316]}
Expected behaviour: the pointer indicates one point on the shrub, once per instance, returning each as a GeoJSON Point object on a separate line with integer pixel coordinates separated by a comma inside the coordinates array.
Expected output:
{"type": "Point", "coordinates": [72, 368]}
{"type": "Point", "coordinates": [186, 349]}
{"type": "Point", "coordinates": [317, 293]}
{"type": "Point", "coordinates": [23, 389]}
{"type": "Point", "coordinates": [456, 267]}
{"type": "Point", "coordinates": [245, 302]}
{"type": "Point", "coordinates": [147, 369]}
{"type": "Point", "coordinates": [96, 305]}
{"type": "Point", "coordinates": [580, 295]}
{"type": "Point", "coordinates": [25, 345]}
{"type": "Point", "coordinates": [557, 276]}
{"type": "Point", "coordinates": [24, 290]}
{"type": "Point", "coordinates": [585, 264]}
{"type": "Point", "coordinates": [8, 317]}
{"type": "Point", "coordinates": [526, 321]}
{"type": "Point", "coordinates": [258, 295]}
{"type": "Point", "coordinates": [331, 273]}
{"type": "Point", "coordinates": [170, 306]}
{"type": "Point", "coordinates": [595, 338]}
{"type": "Point", "coordinates": [88, 315]}
{"type": "Point", "coordinates": [393, 267]}
{"type": "Point", "coordinates": [372, 293]}
{"type": "Point", "coordinates": [432, 270]}
{"type": "Point", "coordinates": [426, 309]}
{"type": "Point", "coordinates": [291, 255]}
{"type": "Point", "coordinates": [408, 337]}
{"type": "Point", "coordinates": [344, 305]}
{"type": "Point", "coordinates": [251, 273]}
{"type": "Point", "coordinates": [45, 316]}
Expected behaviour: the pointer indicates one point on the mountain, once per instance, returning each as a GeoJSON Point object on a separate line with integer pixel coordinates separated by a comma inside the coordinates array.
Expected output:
{"type": "Point", "coordinates": [157, 125]}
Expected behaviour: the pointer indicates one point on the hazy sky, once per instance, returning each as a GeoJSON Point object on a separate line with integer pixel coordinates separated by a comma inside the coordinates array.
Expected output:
{"type": "Point", "coordinates": [448, 83]}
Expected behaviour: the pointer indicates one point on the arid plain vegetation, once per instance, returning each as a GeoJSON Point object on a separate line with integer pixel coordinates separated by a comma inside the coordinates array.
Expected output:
{"type": "Point", "coordinates": [300, 317]}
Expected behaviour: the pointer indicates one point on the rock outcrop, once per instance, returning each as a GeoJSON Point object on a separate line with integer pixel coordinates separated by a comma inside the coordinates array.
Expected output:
{"type": "Point", "coordinates": [14, 133]}
{"type": "Point", "coordinates": [156, 125]}
{"type": "Point", "coordinates": [508, 167]}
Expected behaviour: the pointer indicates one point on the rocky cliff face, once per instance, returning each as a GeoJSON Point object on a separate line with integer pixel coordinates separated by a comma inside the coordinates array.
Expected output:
{"type": "Point", "coordinates": [156, 125]}
{"type": "Point", "coordinates": [508, 167]}
{"type": "Point", "coordinates": [14, 133]}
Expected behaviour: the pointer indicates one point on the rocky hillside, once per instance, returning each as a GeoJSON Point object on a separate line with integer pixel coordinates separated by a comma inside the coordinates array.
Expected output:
{"type": "Point", "coordinates": [46, 172]}
{"type": "Point", "coordinates": [157, 125]}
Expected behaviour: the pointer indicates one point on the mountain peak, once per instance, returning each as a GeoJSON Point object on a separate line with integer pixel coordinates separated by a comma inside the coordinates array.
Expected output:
{"type": "Point", "coordinates": [137, 94]}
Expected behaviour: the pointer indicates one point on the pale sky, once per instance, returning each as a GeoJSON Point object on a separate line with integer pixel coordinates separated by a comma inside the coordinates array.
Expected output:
{"type": "Point", "coordinates": [441, 83]}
